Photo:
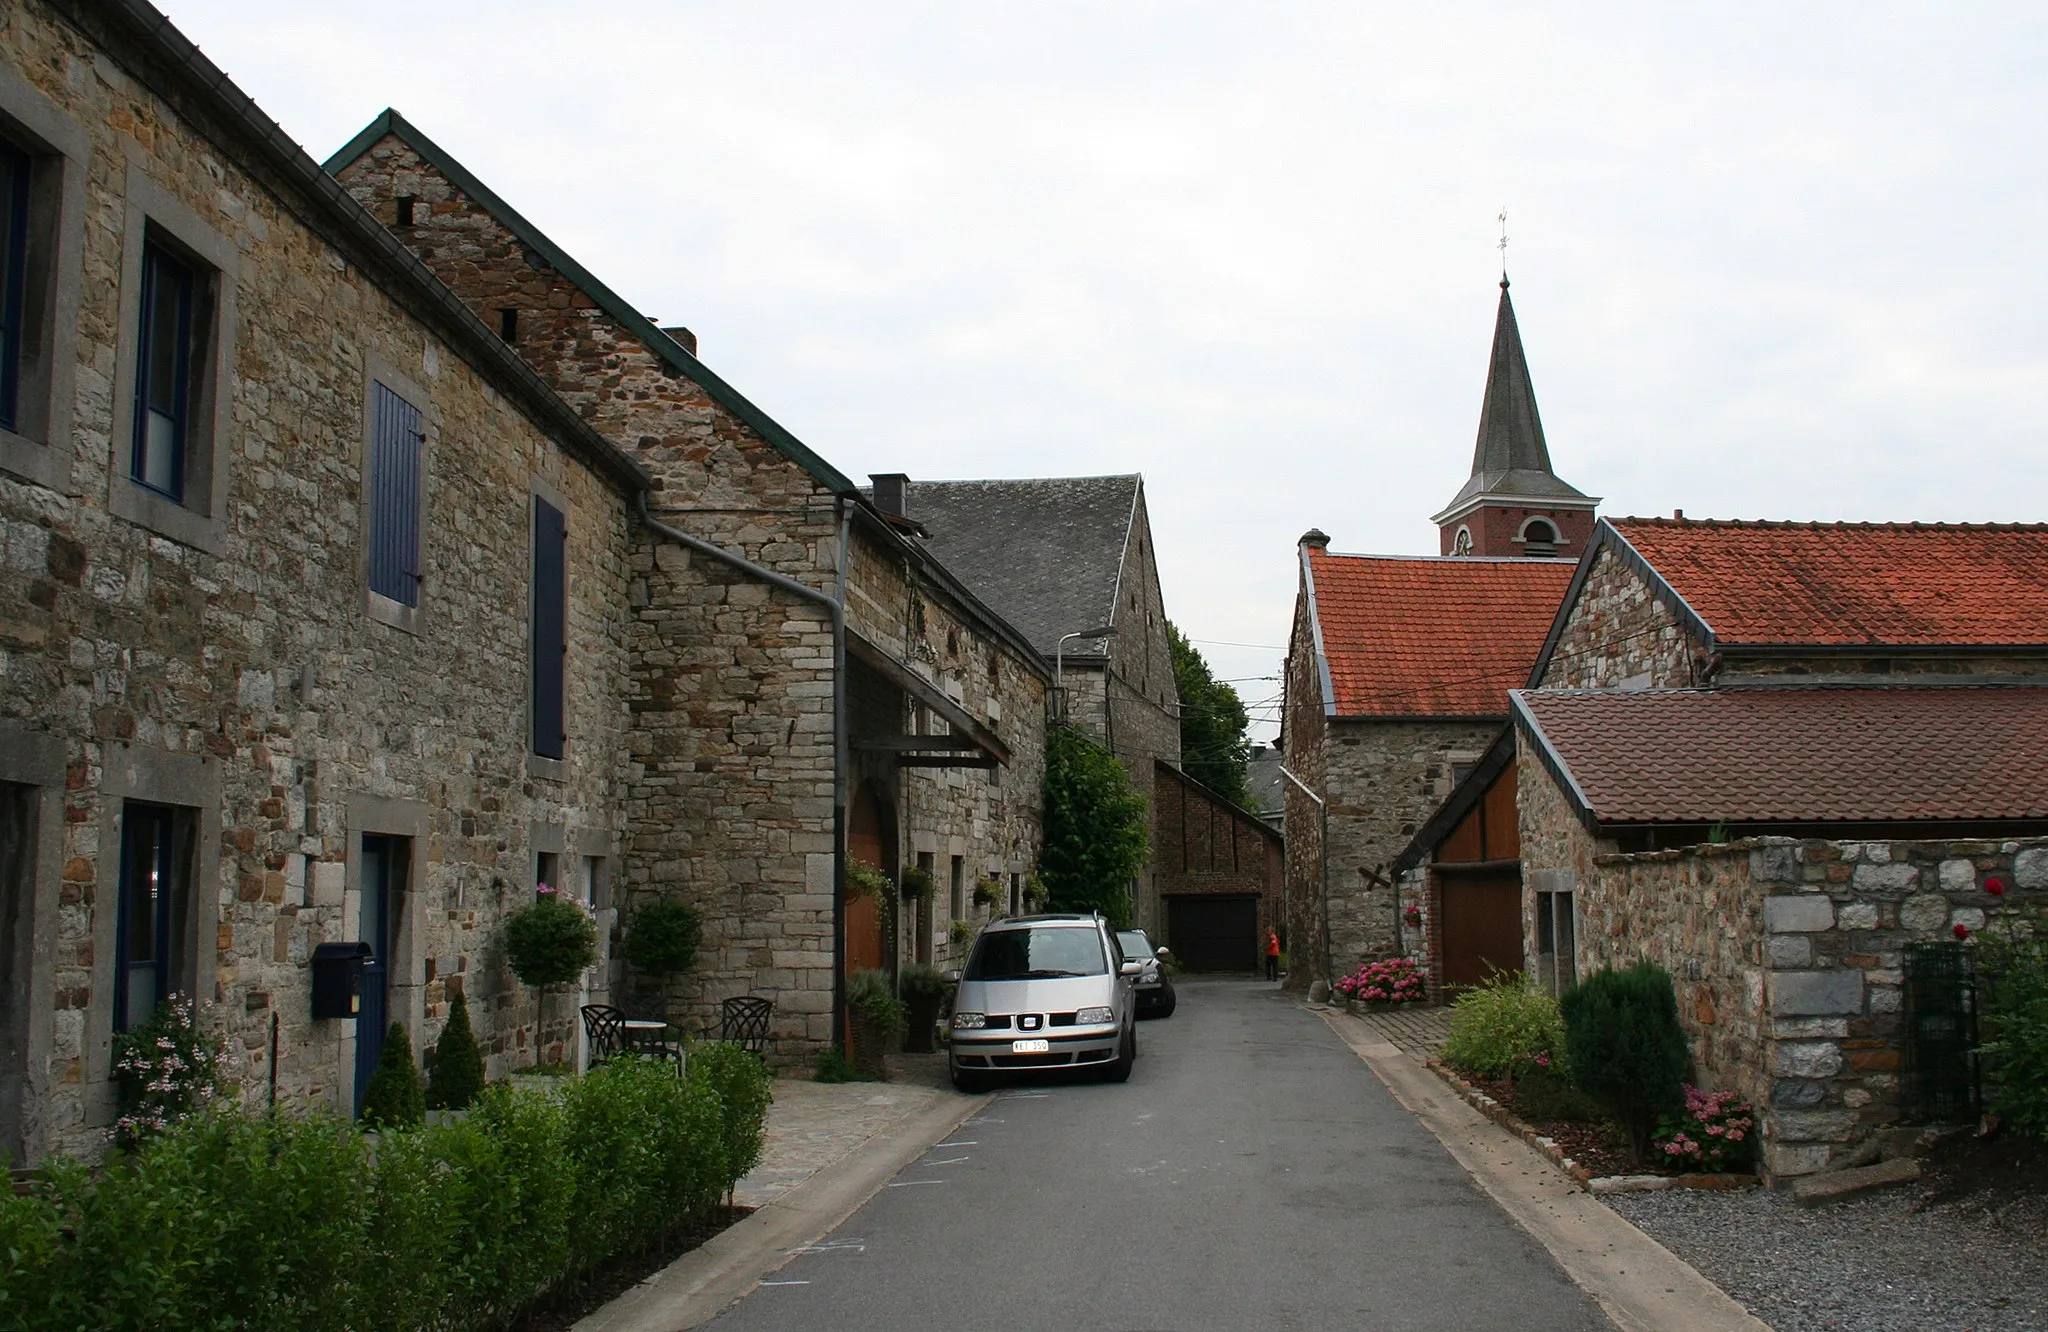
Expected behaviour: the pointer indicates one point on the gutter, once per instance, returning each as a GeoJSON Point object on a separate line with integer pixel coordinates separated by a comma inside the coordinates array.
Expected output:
{"type": "Point", "coordinates": [835, 608]}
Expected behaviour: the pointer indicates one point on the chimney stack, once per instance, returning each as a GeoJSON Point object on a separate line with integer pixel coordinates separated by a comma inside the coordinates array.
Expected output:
{"type": "Point", "coordinates": [1316, 537]}
{"type": "Point", "coordinates": [892, 493]}
{"type": "Point", "coordinates": [684, 337]}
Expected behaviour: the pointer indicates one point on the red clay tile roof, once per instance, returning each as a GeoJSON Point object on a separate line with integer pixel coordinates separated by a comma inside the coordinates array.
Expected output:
{"type": "Point", "coordinates": [1411, 636]}
{"type": "Point", "coordinates": [1903, 584]}
{"type": "Point", "coordinates": [1807, 755]}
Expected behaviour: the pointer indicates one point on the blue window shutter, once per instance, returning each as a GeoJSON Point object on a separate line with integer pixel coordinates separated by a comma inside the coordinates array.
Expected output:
{"type": "Point", "coordinates": [550, 626]}
{"type": "Point", "coordinates": [395, 440]}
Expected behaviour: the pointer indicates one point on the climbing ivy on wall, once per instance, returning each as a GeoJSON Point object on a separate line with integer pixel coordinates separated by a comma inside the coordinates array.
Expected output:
{"type": "Point", "coordinates": [1094, 828]}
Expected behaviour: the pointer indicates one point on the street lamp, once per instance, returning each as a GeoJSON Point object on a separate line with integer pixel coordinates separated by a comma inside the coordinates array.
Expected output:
{"type": "Point", "coordinates": [1059, 654]}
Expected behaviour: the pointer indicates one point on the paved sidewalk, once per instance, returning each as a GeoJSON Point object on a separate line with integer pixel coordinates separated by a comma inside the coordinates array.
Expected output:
{"type": "Point", "coordinates": [811, 1125]}
{"type": "Point", "coordinates": [1417, 1031]}
{"type": "Point", "coordinates": [828, 1148]}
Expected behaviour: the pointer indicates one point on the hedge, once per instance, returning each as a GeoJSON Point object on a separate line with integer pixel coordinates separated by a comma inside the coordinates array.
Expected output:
{"type": "Point", "coordinates": [233, 1220]}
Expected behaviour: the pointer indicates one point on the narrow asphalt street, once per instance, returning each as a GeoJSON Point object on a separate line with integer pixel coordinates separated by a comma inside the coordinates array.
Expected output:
{"type": "Point", "coordinates": [1252, 1174]}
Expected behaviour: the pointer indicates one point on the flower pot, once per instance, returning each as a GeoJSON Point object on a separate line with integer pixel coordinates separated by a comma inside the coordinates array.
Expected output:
{"type": "Point", "coordinates": [870, 1052]}
{"type": "Point", "coordinates": [924, 1016]}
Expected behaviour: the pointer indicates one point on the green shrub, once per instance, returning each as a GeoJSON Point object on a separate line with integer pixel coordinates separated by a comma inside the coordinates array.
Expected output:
{"type": "Point", "coordinates": [2012, 966]}
{"type": "Point", "coordinates": [834, 1066]}
{"type": "Point", "coordinates": [920, 981]}
{"type": "Point", "coordinates": [913, 882]}
{"type": "Point", "coordinates": [228, 1220]}
{"type": "Point", "coordinates": [663, 936]}
{"type": "Point", "coordinates": [868, 994]}
{"type": "Point", "coordinates": [1625, 1047]}
{"type": "Point", "coordinates": [550, 942]}
{"type": "Point", "coordinates": [165, 1069]}
{"type": "Point", "coordinates": [394, 1098]}
{"type": "Point", "coordinates": [1096, 833]}
{"type": "Point", "coordinates": [744, 1089]}
{"type": "Point", "coordinates": [1501, 1026]}
{"type": "Point", "coordinates": [458, 1073]}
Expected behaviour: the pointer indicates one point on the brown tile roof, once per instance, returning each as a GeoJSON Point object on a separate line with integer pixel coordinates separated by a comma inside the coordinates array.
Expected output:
{"type": "Point", "coordinates": [1797, 755]}
{"type": "Point", "coordinates": [1848, 584]}
{"type": "Point", "coordinates": [1413, 636]}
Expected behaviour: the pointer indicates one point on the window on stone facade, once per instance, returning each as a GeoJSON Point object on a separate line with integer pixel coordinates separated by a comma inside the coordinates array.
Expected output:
{"type": "Point", "coordinates": [405, 207]}
{"type": "Point", "coordinates": [924, 911]}
{"type": "Point", "coordinates": [549, 591]}
{"type": "Point", "coordinates": [1016, 893]}
{"type": "Point", "coordinates": [151, 945]}
{"type": "Point", "coordinates": [169, 358]}
{"type": "Point", "coordinates": [397, 451]}
{"type": "Point", "coordinates": [547, 869]}
{"type": "Point", "coordinates": [1539, 538]}
{"type": "Point", "coordinates": [14, 191]}
{"type": "Point", "coordinates": [958, 883]}
{"type": "Point", "coordinates": [508, 324]}
{"type": "Point", "coordinates": [1557, 968]}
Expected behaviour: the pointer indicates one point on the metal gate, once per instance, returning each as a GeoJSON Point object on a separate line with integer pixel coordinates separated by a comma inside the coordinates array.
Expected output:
{"type": "Point", "coordinates": [1941, 1034]}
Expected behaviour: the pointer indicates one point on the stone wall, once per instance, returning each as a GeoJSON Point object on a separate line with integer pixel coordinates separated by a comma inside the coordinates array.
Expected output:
{"type": "Point", "coordinates": [1788, 955]}
{"type": "Point", "coordinates": [1620, 636]}
{"type": "Point", "coordinates": [1202, 844]}
{"type": "Point", "coordinates": [1141, 698]}
{"type": "Point", "coordinates": [231, 669]}
{"type": "Point", "coordinates": [1304, 735]}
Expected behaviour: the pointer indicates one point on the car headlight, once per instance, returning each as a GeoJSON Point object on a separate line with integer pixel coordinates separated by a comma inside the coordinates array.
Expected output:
{"type": "Point", "coordinates": [1088, 1017]}
{"type": "Point", "coordinates": [968, 1021]}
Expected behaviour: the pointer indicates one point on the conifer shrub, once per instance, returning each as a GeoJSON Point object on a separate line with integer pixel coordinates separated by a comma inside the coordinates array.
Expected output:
{"type": "Point", "coordinates": [458, 1073]}
{"type": "Point", "coordinates": [395, 1099]}
{"type": "Point", "coordinates": [1626, 1048]}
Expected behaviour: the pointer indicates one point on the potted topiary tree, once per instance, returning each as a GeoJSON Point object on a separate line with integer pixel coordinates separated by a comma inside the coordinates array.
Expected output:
{"type": "Point", "coordinates": [663, 936]}
{"type": "Point", "coordinates": [877, 1014]}
{"type": "Point", "coordinates": [551, 941]}
{"type": "Point", "coordinates": [924, 994]}
{"type": "Point", "coordinates": [394, 1099]}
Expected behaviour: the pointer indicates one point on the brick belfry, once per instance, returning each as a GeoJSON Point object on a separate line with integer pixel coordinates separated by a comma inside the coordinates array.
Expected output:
{"type": "Point", "coordinates": [1513, 503]}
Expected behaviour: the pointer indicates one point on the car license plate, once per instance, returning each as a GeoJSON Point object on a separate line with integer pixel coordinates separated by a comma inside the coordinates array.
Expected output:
{"type": "Point", "coordinates": [1030, 1047]}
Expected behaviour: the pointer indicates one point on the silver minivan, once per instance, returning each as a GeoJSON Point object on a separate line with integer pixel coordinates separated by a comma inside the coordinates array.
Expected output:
{"type": "Point", "coordinates": [1044, 992]}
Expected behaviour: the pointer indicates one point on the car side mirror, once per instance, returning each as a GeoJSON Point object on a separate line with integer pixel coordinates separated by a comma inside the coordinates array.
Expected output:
{"type": "Point", "coordinates": [1130, 968]}
{"type": "Point", "coordinates": [951, 977]}
{"type": "Point", "coordinates": [1162, 952]}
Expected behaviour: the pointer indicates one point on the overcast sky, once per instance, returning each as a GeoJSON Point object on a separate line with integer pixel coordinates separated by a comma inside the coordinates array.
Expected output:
{"type": "Point", "coordinates": [1770, 261]}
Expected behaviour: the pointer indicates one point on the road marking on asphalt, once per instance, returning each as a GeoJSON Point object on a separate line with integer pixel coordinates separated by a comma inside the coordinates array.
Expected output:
{"type": "Point", "coordinates": [831, 1246]}
{"type": "Point", "coordinates": [951, 1160]}
{"type": "Point", "coordinates": [1023, 1096]}
{"type": "Point", "coordinates": [970, 1143]}
{"type": "Point", "coordinates": [785, 1283]}
{"type": "Point", "coordinates": [913, 1183]}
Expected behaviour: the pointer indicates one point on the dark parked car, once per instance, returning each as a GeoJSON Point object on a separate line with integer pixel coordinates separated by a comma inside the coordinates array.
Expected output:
{"type": "Point", "coordinates": [1155, 989]}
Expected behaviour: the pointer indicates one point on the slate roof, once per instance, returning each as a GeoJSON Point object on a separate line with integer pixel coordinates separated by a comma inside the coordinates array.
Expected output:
{"type": "Point", "coordinates": [1419, 636]}
{"type": "Point", "coordinates": [1914, 585]}
{"type": "Point", "coordinates": [1510, 457]}
{"type": "Point", "coordinates": [1044, 553]}
{"type": "Point", "coordinates": [1817, 754]}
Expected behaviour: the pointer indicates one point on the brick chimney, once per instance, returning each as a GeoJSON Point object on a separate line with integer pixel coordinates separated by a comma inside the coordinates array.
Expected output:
{"type": "Point", "coordinates": [892, 493]}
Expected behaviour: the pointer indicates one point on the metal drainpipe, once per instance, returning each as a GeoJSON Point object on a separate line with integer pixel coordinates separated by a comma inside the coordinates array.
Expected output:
{"type": "Point", "coordinates": [835, 607]}
{"type": "Point", "coordinates": [1322, 856]}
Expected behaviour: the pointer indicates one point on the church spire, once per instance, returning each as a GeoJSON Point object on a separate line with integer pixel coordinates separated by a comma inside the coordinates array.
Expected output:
{"type": "Point", "coordinates": [1511, 477]}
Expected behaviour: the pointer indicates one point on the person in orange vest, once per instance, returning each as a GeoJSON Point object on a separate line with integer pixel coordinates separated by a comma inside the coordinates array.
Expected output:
{"type": "Point", "coordinates": [1272, 956]}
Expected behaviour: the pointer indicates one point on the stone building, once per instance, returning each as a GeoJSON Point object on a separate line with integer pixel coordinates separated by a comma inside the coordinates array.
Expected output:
{"type": "Point", "coordinates": [1058, 557]}
{"type": "Point", "coordinates": [342, 606]}
{"type": "Point", "coordinates": [732, 742]}
{"type": "Point", "coordinates": [1219, 871]}
{"type": "Point", "coordinates": [1397, 675]}
{"type": "Point", "coordinates": [316, 601]}
{"type": "Point", "coordinates": [1783, 760]}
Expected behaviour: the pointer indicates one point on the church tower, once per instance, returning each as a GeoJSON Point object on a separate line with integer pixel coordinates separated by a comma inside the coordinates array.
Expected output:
{"type": "Point", "coordinates": [1513, 504]}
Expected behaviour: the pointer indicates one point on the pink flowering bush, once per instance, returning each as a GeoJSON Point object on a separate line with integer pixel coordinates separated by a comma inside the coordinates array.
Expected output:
{"type": "Point", "coordinates": [1716, 1133]}
{"type": "Point", "coordinates": [167, 1068]}
{"type": "Point", "coordinates": [1393, 980]}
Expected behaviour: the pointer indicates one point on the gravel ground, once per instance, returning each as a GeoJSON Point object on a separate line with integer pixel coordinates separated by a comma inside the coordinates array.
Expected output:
{"type": "Point", "coordinates": [1870, 1262]}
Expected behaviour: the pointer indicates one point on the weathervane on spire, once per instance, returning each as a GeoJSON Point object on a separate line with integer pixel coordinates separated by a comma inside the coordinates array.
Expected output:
{"type": "Point", "coordinates": [1503, 246]}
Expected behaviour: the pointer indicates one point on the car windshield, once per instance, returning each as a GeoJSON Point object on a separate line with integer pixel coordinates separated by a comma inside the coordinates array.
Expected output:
{"type": "Point", "coordinates": [1134, 943]}
{"type": "Point", "coordinates": [1034, 954]}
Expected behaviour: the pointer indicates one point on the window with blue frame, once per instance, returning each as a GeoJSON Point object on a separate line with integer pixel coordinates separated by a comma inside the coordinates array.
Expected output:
{"type": "Point", "coordinates": [550, 641]}
{"type": "Point", "coordinates": [164, 396]}
{"type": "Point", "coordinates": [149, 951]}
{"type": "Point", "coordinates": [396, 446]}
{"type": "Point", "coordinates": [14, 188]}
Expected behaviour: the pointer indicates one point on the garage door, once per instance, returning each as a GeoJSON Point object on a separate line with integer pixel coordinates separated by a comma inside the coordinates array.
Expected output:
{"type": "Point", "coordinates": [1214, 933]}
{"type": "Point", "coordinates": [1482, 918]}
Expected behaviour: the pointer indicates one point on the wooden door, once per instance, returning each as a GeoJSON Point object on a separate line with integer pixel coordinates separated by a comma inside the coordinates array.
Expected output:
{"type": "Point", "coordinates": [1482, 924]}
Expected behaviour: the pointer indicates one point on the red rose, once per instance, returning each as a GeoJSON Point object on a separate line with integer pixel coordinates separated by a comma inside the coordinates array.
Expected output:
{"type": "Point", "coordinates": [1962, 931]}
{"type": "Point", "coordinates": [1996, 887]}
